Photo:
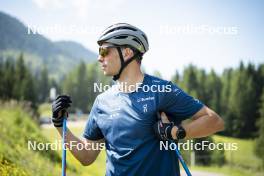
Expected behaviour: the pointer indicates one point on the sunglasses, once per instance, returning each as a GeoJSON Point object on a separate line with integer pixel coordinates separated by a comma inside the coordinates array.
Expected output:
{"type": "Point", "coordinates": [104, 50]}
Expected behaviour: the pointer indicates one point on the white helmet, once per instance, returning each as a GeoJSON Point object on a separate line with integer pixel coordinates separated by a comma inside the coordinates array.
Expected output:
{"type": "Point", "coordinates": [125, 34]}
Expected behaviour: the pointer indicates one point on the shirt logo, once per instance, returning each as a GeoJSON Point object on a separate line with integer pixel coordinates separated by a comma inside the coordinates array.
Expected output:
{"type": "Point", "coordinates": [145, 108]}
{"type": "Point", "coordinates": [145, 99]}
{"type": "Point", "coordinates": [114, 115]}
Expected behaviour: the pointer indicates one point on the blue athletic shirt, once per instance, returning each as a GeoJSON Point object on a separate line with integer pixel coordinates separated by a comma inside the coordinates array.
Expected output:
{"type": "Point", "coordinates": [125, 121]}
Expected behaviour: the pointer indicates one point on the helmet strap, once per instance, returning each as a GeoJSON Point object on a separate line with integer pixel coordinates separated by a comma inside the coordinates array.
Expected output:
{"type": "Point", "coordinates": [123, 63]}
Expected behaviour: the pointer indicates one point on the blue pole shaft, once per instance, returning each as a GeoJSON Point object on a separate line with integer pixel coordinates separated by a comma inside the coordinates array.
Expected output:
{"type": "Point", "coordinates": [184, 165]}
{"type": "Point", "coordinates": [64, 130]}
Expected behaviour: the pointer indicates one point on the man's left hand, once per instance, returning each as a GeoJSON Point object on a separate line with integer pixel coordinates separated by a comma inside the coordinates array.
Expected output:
{"type": "Point", "coordinates": [163, 128]}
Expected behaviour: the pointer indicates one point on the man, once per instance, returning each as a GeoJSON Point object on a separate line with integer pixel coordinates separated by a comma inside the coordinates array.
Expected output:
{"type": "Point", "coordinates": [124, 116]}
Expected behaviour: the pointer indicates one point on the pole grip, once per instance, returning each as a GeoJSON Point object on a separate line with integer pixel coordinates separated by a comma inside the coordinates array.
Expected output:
{"type": "Point", "coordinates": [64, 131]}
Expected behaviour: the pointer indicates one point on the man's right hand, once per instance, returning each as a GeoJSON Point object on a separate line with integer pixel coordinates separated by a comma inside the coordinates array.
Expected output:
{"type": "Point", "coordinates": [59, 107]}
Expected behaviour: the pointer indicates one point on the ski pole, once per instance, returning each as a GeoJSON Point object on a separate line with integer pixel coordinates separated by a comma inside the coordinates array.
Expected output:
{"type": "Point", "coordinates": [63, 162]}
{"type": "Point", "coordinates": [184, 165]}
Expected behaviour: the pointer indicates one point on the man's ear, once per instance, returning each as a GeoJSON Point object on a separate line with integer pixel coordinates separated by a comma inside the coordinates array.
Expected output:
{"type": "Point", "coordinates": [127, 53]}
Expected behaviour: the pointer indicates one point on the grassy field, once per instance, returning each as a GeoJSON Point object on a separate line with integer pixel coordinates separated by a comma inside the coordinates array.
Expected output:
{"type": "Point", "coordinates": [244, 156]}
{"type": "Point", "coordinates": [96, 169]}
{"type": "Point", "coordinates": [241, 162]}
{"type": "Point", "coordinates": [227, 170]}
{"type": "Point", "coordinates": [17, 127]}
{"type": "Point", "coordinates": [45, 110]}
{"type": "Point", "coordinates": [16, 158]}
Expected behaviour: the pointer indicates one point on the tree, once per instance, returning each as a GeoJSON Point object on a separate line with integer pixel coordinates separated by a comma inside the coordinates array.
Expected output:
{"type": "Point", "coordinates": [202, 90]}
{"type": "Point", "coordinates": [81, 87]}
{"type": "Point", "coordinates": [19, 76]}
{"type": "Point", "coordinates": [95, 76]}
{"type": "Point", "coordinates": [260, 78]}
{"type": "Point", "coordinates": [43, 85]}
{"type": "Point", "coordinates": [189, 82]}
{"type": "Point", "coordinates": [8, 79]}
{"type": "Point", "coordinates": [24, 83]}
{"type": "Point", "coordinates": [213, 90]}
{"type": "Point", "coordinates": [259, 149]}
{"type": "Point", "coordinates": [2, 87]}
{"type": "Point", "coordinates": [76, 85]}
{"type": "Point", "coordinates": [225, 104]}
{"type": "Point", "coordinates": [79, 84]}
{"type": "Point", "coordinates": [242, 103]}
{"type": "Point", "coordinates": [176, 78]}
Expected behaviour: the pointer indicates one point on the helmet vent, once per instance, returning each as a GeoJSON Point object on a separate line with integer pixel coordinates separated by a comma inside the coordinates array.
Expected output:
{"type": "Point", "coordinates": [136, 40]}
{"type": "Point", "coordinates": [118, 28]}
{"type": "Point", "coordinates": [120, 37]}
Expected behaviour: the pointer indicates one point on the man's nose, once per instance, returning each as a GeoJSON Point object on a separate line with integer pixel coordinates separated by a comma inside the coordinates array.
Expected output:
{"type": "Point", "coordinates": [100, 59]}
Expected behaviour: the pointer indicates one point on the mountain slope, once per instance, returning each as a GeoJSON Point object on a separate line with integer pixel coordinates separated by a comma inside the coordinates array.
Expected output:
{"type": "Point", "coordinates": [74, 49]}
{"type": "Point", "coordinates": [15, 39]}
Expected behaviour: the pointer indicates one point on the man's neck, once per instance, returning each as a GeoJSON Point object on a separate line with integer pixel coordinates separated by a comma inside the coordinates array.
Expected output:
{"type": "Point", "coordinates": [131, 76]}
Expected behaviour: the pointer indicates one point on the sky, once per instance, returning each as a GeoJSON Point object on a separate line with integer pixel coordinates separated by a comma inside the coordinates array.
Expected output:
{"type": "Point", "coordinates": [210, 34]}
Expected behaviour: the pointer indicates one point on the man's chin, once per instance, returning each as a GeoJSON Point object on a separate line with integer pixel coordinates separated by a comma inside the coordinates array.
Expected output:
{"type": "Point", "coordinates": [108, 74]}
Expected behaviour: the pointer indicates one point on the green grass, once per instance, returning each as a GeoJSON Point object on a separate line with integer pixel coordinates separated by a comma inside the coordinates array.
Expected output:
{"type": "Point", "coordinates": [244, 156]}
{"type": "Point", "coordinates": [96, 169]}
{"type": "Point", "coordinates": [17, 127]}
{"type": "Point", "coordinates": [241, 162]}
{"type": "Point", "coordinates": [16, 159]}
{"type": "Point", "coordinates": [227, 170]}
{"type": "Point", "coordinates": [45, 110]}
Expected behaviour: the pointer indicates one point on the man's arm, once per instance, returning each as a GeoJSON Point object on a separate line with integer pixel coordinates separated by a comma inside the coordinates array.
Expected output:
{"type": "Point", "coordinates": [86, 155]}
{"type": "Point", "coordinates": [204, 123]}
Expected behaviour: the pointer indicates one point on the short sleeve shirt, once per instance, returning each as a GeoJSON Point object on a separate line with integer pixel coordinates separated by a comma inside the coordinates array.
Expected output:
{"type": "Point", "coordinates": [125, 121]}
